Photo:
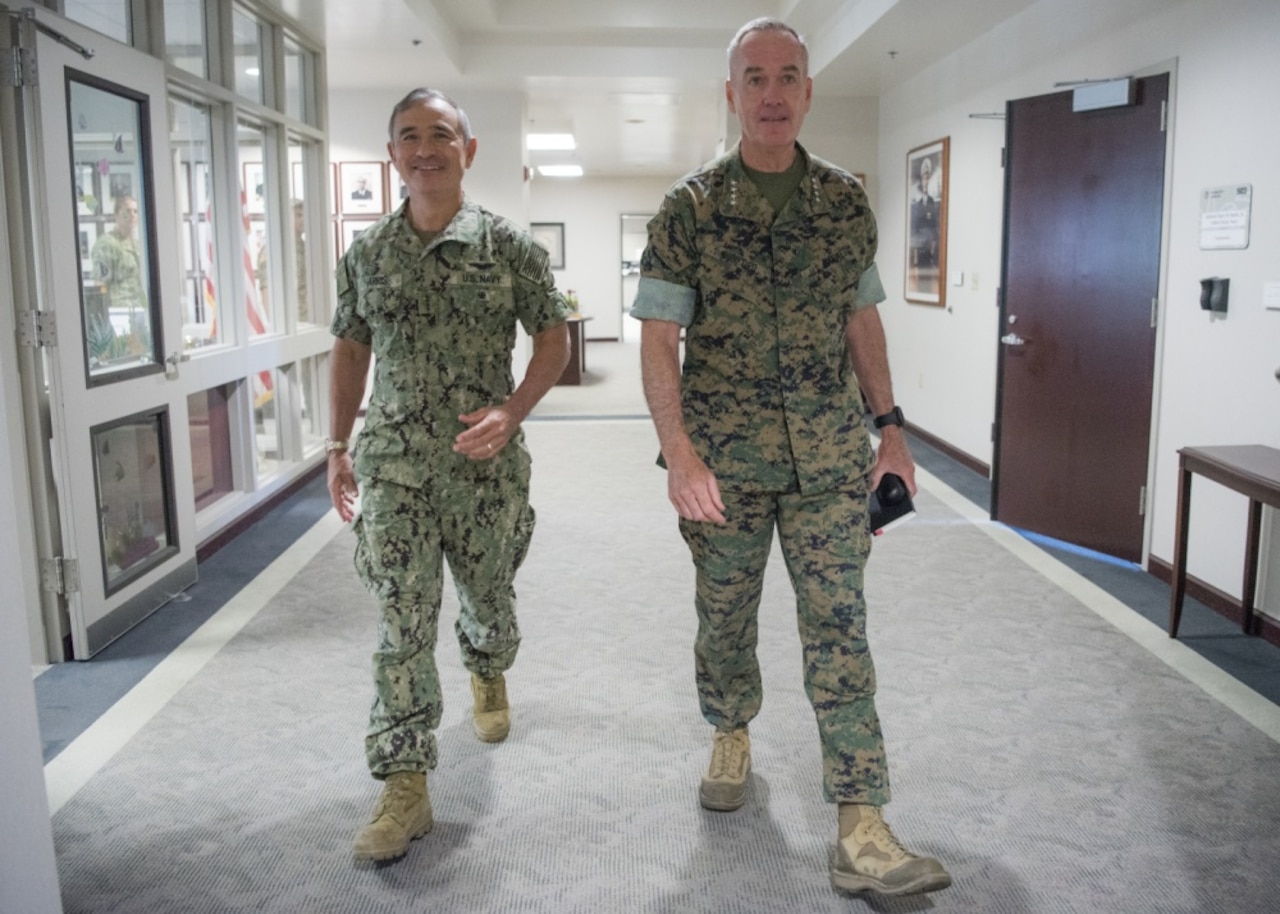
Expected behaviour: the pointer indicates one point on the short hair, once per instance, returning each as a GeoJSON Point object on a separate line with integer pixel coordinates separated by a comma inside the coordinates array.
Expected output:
{"type": "Point", "coordinates": [122, 201]}
{"type": "Point", "coordinates": [767, 24]}
{"type": "Point", "coordinates": [419, 95]}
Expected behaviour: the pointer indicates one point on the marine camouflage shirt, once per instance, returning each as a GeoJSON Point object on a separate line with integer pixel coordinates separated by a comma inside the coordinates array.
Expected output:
{"type": "Point", "coordinates": [117, 266]}
{"type": "Point", "coordinates": [767, 392]}
{"type": "Point", "coordinates": [441, 319]}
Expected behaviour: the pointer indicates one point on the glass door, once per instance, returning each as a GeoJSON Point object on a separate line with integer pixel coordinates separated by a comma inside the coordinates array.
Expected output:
{"type": "Point", "coordinates": [110, 277]}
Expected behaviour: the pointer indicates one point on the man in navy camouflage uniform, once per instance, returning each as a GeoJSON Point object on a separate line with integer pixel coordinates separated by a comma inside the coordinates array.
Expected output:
{"type": "Point", "coordinates": [765, 260]}
{"type": "Point", "coordinates": [433, 293]}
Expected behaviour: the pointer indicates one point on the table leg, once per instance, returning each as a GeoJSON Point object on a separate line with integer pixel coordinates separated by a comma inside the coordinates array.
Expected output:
{"type": "Point", "coordinates": [1178, 586]}
{"type": "Point", "coordinates": [1252, 544]}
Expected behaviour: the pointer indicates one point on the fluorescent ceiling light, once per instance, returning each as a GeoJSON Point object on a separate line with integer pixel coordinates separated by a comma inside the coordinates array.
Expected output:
{"type": "Point", "coordinates": [560, 171]}
{"type": "Point", "coordinates": [560, 141]}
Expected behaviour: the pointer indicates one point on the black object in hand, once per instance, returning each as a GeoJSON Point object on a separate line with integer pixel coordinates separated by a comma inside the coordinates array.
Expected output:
{"type": "Point", "coordinates": [890, 504]}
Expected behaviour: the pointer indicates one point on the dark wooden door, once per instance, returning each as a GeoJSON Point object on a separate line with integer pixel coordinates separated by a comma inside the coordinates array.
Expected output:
{"type": "Point", "coordinates": [1083, 201]}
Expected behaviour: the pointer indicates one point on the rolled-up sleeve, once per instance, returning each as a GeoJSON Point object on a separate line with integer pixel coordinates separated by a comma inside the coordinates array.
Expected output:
{"type": "Point", "coordinates": [870, 289]}
{"type": "Point", "coordinates": [660, 300]}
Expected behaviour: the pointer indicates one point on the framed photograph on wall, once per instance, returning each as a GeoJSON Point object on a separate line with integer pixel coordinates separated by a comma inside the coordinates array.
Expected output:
{"type": "Point", "coordinates": [550, 235]}
{"type": "Point", "coordinates": [351, 228]}
{"type": "Point", "coordinates": [362, 188]}
{"type": "Point", "coordinates": [927, 175]}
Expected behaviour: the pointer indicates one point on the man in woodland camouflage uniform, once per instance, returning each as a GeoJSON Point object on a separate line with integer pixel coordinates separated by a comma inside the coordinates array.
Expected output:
{"type": "Point", "coordinates": [433, 292]}
{"type": "Point", "coordinates": [765, 259]}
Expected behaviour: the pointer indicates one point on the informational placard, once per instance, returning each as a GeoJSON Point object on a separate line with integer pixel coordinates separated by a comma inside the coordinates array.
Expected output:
{"type": "Point", "coordinates": [1224, 217]}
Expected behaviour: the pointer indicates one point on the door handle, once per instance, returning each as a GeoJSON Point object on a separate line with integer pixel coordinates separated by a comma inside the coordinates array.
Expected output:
{"type": "Point", "coordinates": [1012, 339]}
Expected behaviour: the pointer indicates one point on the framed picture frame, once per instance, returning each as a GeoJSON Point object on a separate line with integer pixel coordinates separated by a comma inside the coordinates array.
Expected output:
{"type": "Point", "coordinates": [362, 188]}
{"type": "Point", "coordinates": [255, 188]}
{"type": "Point", "coordinates": [351, 228]}
{"type": "Point", "coordinates": [928, 168]}
{"type": "Point", "coordinates": [550, 235]}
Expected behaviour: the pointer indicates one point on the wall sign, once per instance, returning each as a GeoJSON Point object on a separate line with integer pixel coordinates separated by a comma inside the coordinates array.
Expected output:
{"type": "Point", "coordinates": [1224, 217]}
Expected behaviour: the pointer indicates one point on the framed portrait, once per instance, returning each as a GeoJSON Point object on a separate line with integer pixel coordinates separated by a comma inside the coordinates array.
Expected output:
{"type": "Point", "coordinates": [402, 189]}
{"type": "Point", "coordinates": [550, 235]}
{"type": "Point", "coordinates": [927, 175]}
{"type": "Point", "coordinates": [351, 229]}
{"type": "Point", "coordinates": [254, 187]}
{"type": "Point", "coordinates": [362, 188]}
{"type": "Point", "coordinates": [119, 184]}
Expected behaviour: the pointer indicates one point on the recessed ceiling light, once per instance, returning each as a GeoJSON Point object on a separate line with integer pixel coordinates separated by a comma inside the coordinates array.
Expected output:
{"type": "Point", "coordinates": [560, 171]}
{"type": "Point", "coordinates": [559, 141]}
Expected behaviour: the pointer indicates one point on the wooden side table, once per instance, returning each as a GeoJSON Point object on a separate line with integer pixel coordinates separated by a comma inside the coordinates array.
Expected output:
{"type": "Point", "coordinates": [572, 373]}
{"type": "Point", "coordinates": [1251, 469]}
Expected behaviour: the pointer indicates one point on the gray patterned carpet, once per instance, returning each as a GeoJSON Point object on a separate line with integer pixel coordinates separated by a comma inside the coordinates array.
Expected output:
{"type": "Point", "coordinates": [1050, 761]}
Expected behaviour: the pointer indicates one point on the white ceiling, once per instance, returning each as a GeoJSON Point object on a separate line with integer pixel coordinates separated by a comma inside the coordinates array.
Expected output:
{"type": "Point", "coordinates": [639, 83]}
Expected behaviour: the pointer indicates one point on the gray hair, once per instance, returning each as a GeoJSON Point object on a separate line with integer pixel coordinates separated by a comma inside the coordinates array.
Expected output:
{"type": "Point", "coordinates": [767, 24]}
{"type": "Point", "coordinates": [419, 95]}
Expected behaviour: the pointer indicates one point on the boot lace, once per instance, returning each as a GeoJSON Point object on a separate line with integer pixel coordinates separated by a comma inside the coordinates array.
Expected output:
{"type": "Point", "coordinates": [726, 754]}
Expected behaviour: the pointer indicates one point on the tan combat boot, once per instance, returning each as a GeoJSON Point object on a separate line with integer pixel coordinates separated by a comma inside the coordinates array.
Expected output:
{"type": "Point", "coordinates": [724, 786]}
{"type": "Point", "coordinates": [869, 858]}
{"type": "Point", "coordinates": [402, 814]}
{"type": "Point", "coordinates": [492, 714]}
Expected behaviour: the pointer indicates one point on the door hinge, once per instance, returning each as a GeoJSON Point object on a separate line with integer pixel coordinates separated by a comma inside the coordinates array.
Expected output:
{"type": "Point", "coordinates": [1164, 116]}
{"type": "Point", "coordinates": [1155, 312]}
{"type": "Point", "coordinates": [60, 576]}
{"type": "Point", "coordinates": [993, 431]}
{"type": "Point", "coordinates": [1004, 163]}
{"type": "Point", "coordinates": [37, 328]}
{"type": "Point", "coordinates": [1142, 501]}
{"type": "Point", "coordinates": [17, 68]}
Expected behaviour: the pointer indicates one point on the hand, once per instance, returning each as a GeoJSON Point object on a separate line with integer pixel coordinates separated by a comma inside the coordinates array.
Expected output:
{"type": "Point", "coordinates": [893, 456]}
{"type": "Point", "coordinates": [693, 489]}
{"type": "Point", "coordinates": [343, 490]}
{"type": "Point", "coordinates": [489, 430]}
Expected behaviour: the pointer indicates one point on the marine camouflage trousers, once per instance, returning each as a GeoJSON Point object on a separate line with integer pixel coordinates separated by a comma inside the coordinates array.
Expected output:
{"type": "Point", "coordinates": [403, 537]}
{"type": "Point", "coordinates": [825, 542]}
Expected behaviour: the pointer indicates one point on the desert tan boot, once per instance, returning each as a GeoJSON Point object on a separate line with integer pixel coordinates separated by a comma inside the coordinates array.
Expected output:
{"type": "Point", "coordinates": [724, 786]}
{"type": "Point", "coordinates": [869, 858]}
{"type": "Point", "coordinates": [492, 714]}
{"type": "Point", "coordinates": [402, 814]}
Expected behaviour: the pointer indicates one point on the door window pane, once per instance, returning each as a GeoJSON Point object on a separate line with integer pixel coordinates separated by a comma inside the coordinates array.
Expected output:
{"type": "Point", "coordinates": [192, 146]}
{"type": "Point", "coordinates": [135, 516]}
{"type": "Point", "coordinates": [111, 153]}
{"type": "Point", "coordinates": [184, 43]}
{"type": "Point", "coordinates": [210, 418]}
{"type": "Point", "coordinates": [247, 33]}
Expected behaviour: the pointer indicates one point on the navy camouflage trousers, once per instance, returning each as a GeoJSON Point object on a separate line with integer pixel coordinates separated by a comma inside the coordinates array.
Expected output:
{"type": "Point", "coordinates": [825, 542]}
{"type": "Point", "coordinates": [403, 537]}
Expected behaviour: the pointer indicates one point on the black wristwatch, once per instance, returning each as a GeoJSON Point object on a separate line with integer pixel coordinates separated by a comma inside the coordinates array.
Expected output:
{"type": "Point", "coordinates": [892, 417]}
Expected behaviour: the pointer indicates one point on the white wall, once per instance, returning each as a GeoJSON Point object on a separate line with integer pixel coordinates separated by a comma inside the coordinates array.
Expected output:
{"type": "Point", "coordinates": [1216, 383]}
{"type": "Point", "coordinates": [591, 210]}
